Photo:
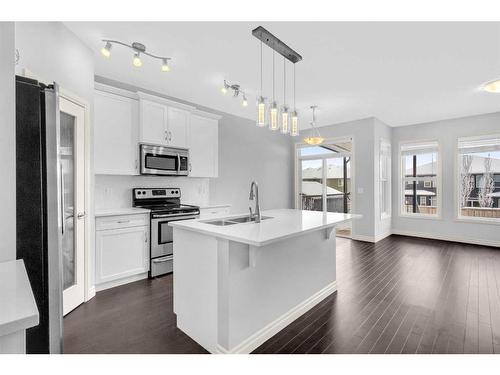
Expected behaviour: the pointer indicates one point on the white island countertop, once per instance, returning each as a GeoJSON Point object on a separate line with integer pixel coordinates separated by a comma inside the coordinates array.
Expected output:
{"type": "Point", "coordinates": [284, 223]}
{"type": "Point", "coordinates": [18, 309]}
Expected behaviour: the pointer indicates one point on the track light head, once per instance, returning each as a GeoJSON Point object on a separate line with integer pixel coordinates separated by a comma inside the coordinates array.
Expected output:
{"type": "Point", "coordinates": [106, 50]}
{"type": "Point", "coordinates": [137, 60]}
{"type": "Point", "coordinates": [164, 66]}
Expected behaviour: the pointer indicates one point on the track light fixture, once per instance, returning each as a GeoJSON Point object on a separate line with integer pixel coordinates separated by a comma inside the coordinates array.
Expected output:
{"type": "Point", "coordinates": [138, 49]}
{"type": "Point", "coordinates": [236, 91]}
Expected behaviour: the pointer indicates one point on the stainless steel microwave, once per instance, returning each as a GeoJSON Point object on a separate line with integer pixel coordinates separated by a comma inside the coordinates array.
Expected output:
{"type": "Point", "coordinates": [164, 161]}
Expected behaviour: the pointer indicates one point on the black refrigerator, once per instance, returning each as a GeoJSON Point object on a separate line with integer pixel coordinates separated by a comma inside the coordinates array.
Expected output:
{"type": "Point", "coordinates": [39, 204]}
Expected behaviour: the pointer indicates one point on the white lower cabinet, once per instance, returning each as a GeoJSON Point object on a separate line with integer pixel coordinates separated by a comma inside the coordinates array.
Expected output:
{"type": "Point", "coordinates": [122, 251]}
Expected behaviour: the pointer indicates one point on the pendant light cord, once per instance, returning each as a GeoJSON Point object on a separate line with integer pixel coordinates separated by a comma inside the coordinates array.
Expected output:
{"type": "Point", "coordinates": [294, 106]}
{"type": "Point", "coordinates": [284, 81]}
{"type": "Point", "coordinates": [273, 76]}
{"type": "Point", "coordinates": [261, 68]}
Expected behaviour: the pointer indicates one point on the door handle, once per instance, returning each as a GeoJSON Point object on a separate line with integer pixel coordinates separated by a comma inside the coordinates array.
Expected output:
{"type": "Point", "coordinates": [81, 215]}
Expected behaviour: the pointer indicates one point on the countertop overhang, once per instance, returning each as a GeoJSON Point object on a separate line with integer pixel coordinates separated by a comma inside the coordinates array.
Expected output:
{"type": "Point", "coordinates": [284, 224]}
{"type": "Point", "coordinates": [18, 308]}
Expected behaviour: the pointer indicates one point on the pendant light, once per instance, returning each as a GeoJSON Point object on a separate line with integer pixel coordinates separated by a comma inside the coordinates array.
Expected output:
{"type": "Point", "coordinates": [261, 101]}
{"type": "Point", "coordinates": [294, 129]}
{"type": "Point", "coordinates": [315, 138]}
{"type": "Point", "coordinates": [285, 129]}
{"type": "Point", "coordinates": [273, 110]}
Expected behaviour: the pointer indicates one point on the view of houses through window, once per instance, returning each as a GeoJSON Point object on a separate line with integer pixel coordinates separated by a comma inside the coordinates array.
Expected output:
{"type": "Point", "coordinates": [479, 177]}
{"type": "Point", "coordinates": [325, 179]}
{"type": "Point", "coordinates": [419, 183]}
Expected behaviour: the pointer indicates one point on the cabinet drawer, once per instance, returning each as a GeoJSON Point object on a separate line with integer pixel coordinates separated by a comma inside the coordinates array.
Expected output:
{"type": "Point", "coordinates": [160, 266]}
{"type": "Point", "coordinates": [214, 211]}
{"type": "Point", "coordinates": [123, 221]}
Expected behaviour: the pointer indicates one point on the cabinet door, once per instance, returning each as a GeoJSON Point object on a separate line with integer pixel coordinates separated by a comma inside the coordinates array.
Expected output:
{"type": "Point", "coordinates": [178, 125]}
{"type": "Point", "coordinates": [203, 147]}
{"type": "Point", "coordinates": [153, 122]}
{"type": "Point", "coordinates": [116, 131]}
{"type": "Point", "coordinates": [121, 253]}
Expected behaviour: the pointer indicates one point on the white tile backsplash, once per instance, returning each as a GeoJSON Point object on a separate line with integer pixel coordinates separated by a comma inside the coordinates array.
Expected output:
{"type": "Point", "coordinates": [116, 191]}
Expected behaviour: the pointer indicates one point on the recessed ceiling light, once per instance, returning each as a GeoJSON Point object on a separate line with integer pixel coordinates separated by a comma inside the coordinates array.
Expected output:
{"type": "Point", "coordinates": [493, 87]}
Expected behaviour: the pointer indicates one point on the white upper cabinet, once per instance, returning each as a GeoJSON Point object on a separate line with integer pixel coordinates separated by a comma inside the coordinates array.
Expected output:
{"type": "Point", "coordinates": [116, 126]}
{"type": "Point", "coordinates": [163, 122]}
{"type": "Point", "coordinates": [154, 118]}
{"type": "Point", "coordinates": [204, 144]}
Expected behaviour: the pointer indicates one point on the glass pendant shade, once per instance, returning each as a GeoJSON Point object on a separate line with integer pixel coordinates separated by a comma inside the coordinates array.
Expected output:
{"type": "Point", "coordinates": [285, 120]}
{"type": "Point", "coordinates": [493, 87]}
{"type": "Point", "coordinates": [294, 129]}
{"type": "Point", "coordinates": [261, 112]}
{"type": "Point", "coordinates": [273, 117]}
{"type": "Point", "coordinates": [314, 140]}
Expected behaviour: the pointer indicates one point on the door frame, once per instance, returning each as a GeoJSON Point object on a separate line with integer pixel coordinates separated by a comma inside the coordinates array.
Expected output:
{"type": "Point", "coordinates": [89, 288]}
{"type": "Point", "coordinates": [298, 175]}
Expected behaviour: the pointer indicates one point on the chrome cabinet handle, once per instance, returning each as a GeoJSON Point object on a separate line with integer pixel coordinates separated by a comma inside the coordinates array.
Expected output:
{"type": "Point", "coordinates": [123, 221]}
{"type": "Point", "coordinates": [145, 237]}
{"type": "Point", "coordinates": [190, 167]}
{"type": "Point", "coordinates": [166, 135]}
{"type": "Point", "coordinates": [170, 136]}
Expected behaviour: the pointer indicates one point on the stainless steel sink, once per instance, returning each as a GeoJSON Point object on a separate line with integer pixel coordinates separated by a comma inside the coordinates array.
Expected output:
{"type": "Point", "coordinates": [234, 220]}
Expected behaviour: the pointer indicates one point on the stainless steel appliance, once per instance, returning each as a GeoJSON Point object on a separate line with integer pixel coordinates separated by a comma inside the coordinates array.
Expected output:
{"type": "Point", "coordinates": [40, 207]}
{"type": "Point", "coordinates": [165, 205]}
{"type": "Point", "coordinates": [161, 160]}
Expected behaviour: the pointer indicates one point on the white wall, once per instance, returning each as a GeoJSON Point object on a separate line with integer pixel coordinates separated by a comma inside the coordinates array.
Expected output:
{"type": "Point", "coordinates": [447, 227]}
{"type": "Point", "coordinates": [52, 52]}
{"type": "Point", "coordinates": [7, 143]}
{"type": "Point", "coordinates": [363, 134]}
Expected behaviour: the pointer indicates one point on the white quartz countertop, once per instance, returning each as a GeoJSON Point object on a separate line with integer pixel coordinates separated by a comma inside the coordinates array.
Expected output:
{"type": "Point", "coordinates": [18, 309]}
{"type": "Point", "coordinates": [121, 211]}
{"type": "Point", "coordinates": [284, 223]}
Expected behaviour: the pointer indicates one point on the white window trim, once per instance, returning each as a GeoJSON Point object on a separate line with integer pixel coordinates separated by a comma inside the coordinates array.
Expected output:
{"type": "Point", "coordinates": [437, 180]}
{"type": "Point", "coordinates": [456, 199]}
{"type": "Point", "coordinates": [386, 214]}
{"type": "Point", "coordinates": [298, 171]}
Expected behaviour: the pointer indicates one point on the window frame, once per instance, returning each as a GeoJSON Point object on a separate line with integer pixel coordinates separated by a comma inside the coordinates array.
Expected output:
{"type": "Point", "coordinates": [437, 181]}
{"type": "Point", "coordinates": [457, 182]}
{"type": "Point", "coordinates": [385, 145]}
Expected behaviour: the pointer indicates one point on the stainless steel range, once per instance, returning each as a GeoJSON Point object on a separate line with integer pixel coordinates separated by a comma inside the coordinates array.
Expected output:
{"type": "Point", "coordinates": [165, 205]}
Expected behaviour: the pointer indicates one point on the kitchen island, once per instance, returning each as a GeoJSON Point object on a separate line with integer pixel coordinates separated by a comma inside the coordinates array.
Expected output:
{"type": "Point", "coordinates": [236, 284]}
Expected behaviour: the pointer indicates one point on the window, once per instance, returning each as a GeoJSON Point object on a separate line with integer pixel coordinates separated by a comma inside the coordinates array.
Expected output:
{"type": "Point", "coordinates": [479, 178]}
{"type": "Point", "coordinates": [419, 179]}
{"type": "Point", "coordinates": [385, 179]}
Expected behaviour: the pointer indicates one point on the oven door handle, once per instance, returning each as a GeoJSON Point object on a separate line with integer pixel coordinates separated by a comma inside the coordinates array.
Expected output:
{"type": "Point", "coordinates": [162, 260]}
{"type": "Point", "coordinates": [176, 216]}
{"type": "Point", "coordinates": [178, 163]}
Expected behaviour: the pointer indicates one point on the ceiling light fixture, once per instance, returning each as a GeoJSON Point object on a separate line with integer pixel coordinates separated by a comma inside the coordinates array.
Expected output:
{"type": "Point", "coordinates": [138, 48]}
{"type": "Point", "coordinates": [315, 138]}
{"type": "Point", "coordinates": [287, 122]}
{"type": "Point", "coordinates": [492, 87]}
{"type": "Point", "coordinates": [236, 92]}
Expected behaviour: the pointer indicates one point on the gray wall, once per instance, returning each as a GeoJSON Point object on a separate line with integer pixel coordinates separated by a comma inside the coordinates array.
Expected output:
{"type": "Point", "coordinates": [246, 153]}
{"type": "Point", "coordinates": [7, 143]}
{"type": "Point", "coordinates": [446, 132]}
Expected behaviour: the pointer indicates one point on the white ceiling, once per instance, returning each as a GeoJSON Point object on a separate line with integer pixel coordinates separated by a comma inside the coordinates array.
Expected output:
{"type": "Point", "coordinates": [401, 73]}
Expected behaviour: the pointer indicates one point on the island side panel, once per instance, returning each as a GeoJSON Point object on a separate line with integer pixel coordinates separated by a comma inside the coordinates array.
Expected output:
{"type": "Point", "coordinates": [195, 286]}
{"type": "Point", "coordinates": [280, 283]}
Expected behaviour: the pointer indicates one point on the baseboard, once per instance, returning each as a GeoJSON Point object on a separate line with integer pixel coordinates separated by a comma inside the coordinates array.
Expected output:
{"type": "Point", "coordinates": [472, 241]}
{"type": "Point", "coordinates": [258, 338]}
{"type": "Point", "coordinates": [360, 237]}
{"type": "Point", "coordinates": [125, 280]}
{"type": "Point", "coordinates": [91, 293]}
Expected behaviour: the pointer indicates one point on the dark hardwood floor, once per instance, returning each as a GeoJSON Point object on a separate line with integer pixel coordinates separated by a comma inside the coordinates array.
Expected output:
{"type": "Point", "coordinates": [401, 295]}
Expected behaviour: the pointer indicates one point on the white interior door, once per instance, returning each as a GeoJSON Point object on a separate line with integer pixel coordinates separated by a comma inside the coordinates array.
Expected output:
{"type": "Point", "coordinates": [72, 157]}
